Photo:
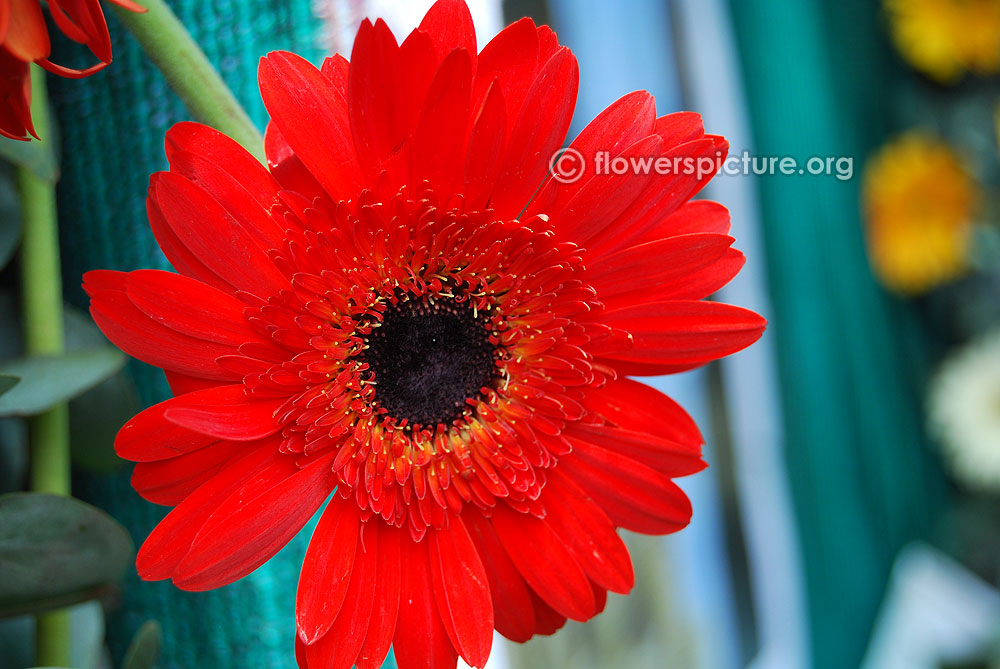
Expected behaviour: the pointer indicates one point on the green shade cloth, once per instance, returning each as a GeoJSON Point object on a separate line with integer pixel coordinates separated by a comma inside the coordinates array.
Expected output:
{"type": "Point", "coordinates": [113, 125]}
{"type": "Point", "coordinates": [852, 361]}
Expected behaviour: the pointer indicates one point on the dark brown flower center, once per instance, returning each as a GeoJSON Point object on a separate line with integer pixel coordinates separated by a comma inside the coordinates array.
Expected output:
{"type": "Point", "coordinates": [427, 358]}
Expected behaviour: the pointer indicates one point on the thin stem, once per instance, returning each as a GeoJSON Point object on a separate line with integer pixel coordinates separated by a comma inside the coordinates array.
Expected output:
{"type": "Point", "coordinates": [52, 639]}
{"type": "Point", "coordinates": [41, 285]}
{"type": "Point", "coordinates": [189, 73]}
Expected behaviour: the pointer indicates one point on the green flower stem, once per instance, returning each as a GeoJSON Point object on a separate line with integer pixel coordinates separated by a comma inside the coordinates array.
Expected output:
{"type": "Point", "coordinates": [43, 323]}
{"type": "Point", "coordinates": [41, 285]}
{"type": "Point", "coordinates": [169, 45]}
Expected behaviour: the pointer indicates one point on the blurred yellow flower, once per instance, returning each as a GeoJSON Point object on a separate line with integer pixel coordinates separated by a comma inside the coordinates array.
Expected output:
{"type": "Point", "coordinates": [919, 203]}
{"type": "Point", "coordinates": [947, 38]}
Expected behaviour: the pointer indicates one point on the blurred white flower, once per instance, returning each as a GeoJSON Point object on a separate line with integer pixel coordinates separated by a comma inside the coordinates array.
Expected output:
{"type": "Point", "coordinates": [964, 408]}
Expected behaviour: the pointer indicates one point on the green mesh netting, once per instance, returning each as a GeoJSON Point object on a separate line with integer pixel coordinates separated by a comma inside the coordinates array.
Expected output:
{"type": "Point", "coordinates": [112, 127]}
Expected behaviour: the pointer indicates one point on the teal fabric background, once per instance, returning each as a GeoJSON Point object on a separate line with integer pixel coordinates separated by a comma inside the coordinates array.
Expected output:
{"type": "Point", "coordinates": [851, 360]}
{"type": "Point", "coordinates": [113, 126]}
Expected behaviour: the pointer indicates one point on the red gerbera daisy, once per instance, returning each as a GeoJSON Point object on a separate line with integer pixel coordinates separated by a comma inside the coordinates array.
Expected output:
{"type": "Point", "coordinates": [24, 39]}
{"type": "Point", "coordinates": [407, 312]}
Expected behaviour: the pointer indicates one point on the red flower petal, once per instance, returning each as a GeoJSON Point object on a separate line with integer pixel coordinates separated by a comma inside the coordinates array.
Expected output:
{"type": "Point", "coordinates": [171, 539]}
{"type": "Point", "coordinates": [336, 68]}
{"type": "Point", "coordinates": [513, 611]}
{"type": "Point", "coordinates": [286, 167]}
{"type": "Point", "coordinates": [633, 495]}
{"type": "Point", "coordinates": [216, 239]}
{"type": "Point", "coordinates": [676, 336]}
{"type": "Point", "coordinates": [83, 21]}
{"type": "Point", "coordinates": [170, 481]}
{"type": "Point", "coordinates": [462, 592]}
{"type": "Point", "coordinates": [189, 306]}
{"type": "Point", "coordinates": [182, 259]}
{"type": "Point", "coordinates": [418, 65]}
{"type": "Point", "coordinates": [386, 599]}
{"type": "Point", "coordinates": [229, 174]}
{"type": "Point", "coordinates": [300, 653]}
{"type": "Point", "coordinates": [312, 116]}
{"type": "Point", "coordinates": [15, 97]}
{"type": "Point", "coordinates": [340, 646]}
{"type": "Point", "coordinates": [420, 640]}
{"type": "Point", "coordinates": [545, 562]}
{"type": "Point", "coordinates": [637, 407]}
{"type": "Point", "coordinates": [679, 128]}
{"type": "Point", "coordinates": [71, 72]}
{"type": "Point", "coordinates": [149, 436]}
{"type": "Point", "coordinates": [225, 412]}
{"type": "Point", "coordinates": [600, 597]}
{"type": "Point", "coordinates": [378, 124]}
{"type": "Point", "coordinates": [486, 142]}
{"type": "Point", "coordinates": [131, 6]}
{"type": "Point", "coordinates": [587, 533]}
{"type": "Point", "coordinates": [326, 570]}
{"type": "Point", "coordinates": [439, 137]}
{"type": "Point", "coordinates": [664, 194]}
{"type": "Point", "coordinates": [696, 216]}
{"type": "Point", "coordinates": [624, 122]}
{"type": "Point", "coordinates": [65, 23]}
{"type": "Point", "coordinates": [696, 286]}
{"type": "Point", "coordinates": [548, 620]}
{"type": "Point", "coordinates": [27, 37]}
{"type": "Point", "coordinates": [254, 523]}
{"type": "Point", "coordinates": [605, 196]}
{"type": "Point", "coordinates": [4, 20]}
{"type": "Point", "coordinates": [664, 262]}
{"type": "Point", "coordinates": [664, 456]}
{"type": "Point", "coordinates": [511, 60]}
{"type": "Point", "coordinates": [548, 44]}
{"type": "Point", "coordinates": [145, 338]}
{"type": "Point", "coordinates": [539, 130]}
{"type": "Point", "coordinates": [449, 25]}
{"type": "Point", "coordinates": [182, 383]}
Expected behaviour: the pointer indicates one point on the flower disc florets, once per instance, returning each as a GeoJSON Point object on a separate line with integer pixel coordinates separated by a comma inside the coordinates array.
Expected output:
{"type": "Point", "coordinates": [419, 338]}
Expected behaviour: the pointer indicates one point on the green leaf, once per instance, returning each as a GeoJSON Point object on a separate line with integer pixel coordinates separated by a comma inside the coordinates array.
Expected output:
{"type": "Point", "coordinates": [144, 649]}
{"type": "Point", "coordinates": [34, 156]}
{"type": "Point", "coordinates": [50, 380]}
{"type": "Point", "coordinates": [95, 415]}
{"type": "Point", "coordinates": [38, 157]}
{"type": "Point", "coordinates": [7, 382]}
{"type": "Point", "coordinates": [95, 418]}
{"type": "Point", "coordinates": [107, 593]}
{"type": "Point", "coordinates": [56, 551]}
{"type": "Point", "coordinates": [80, 329]}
